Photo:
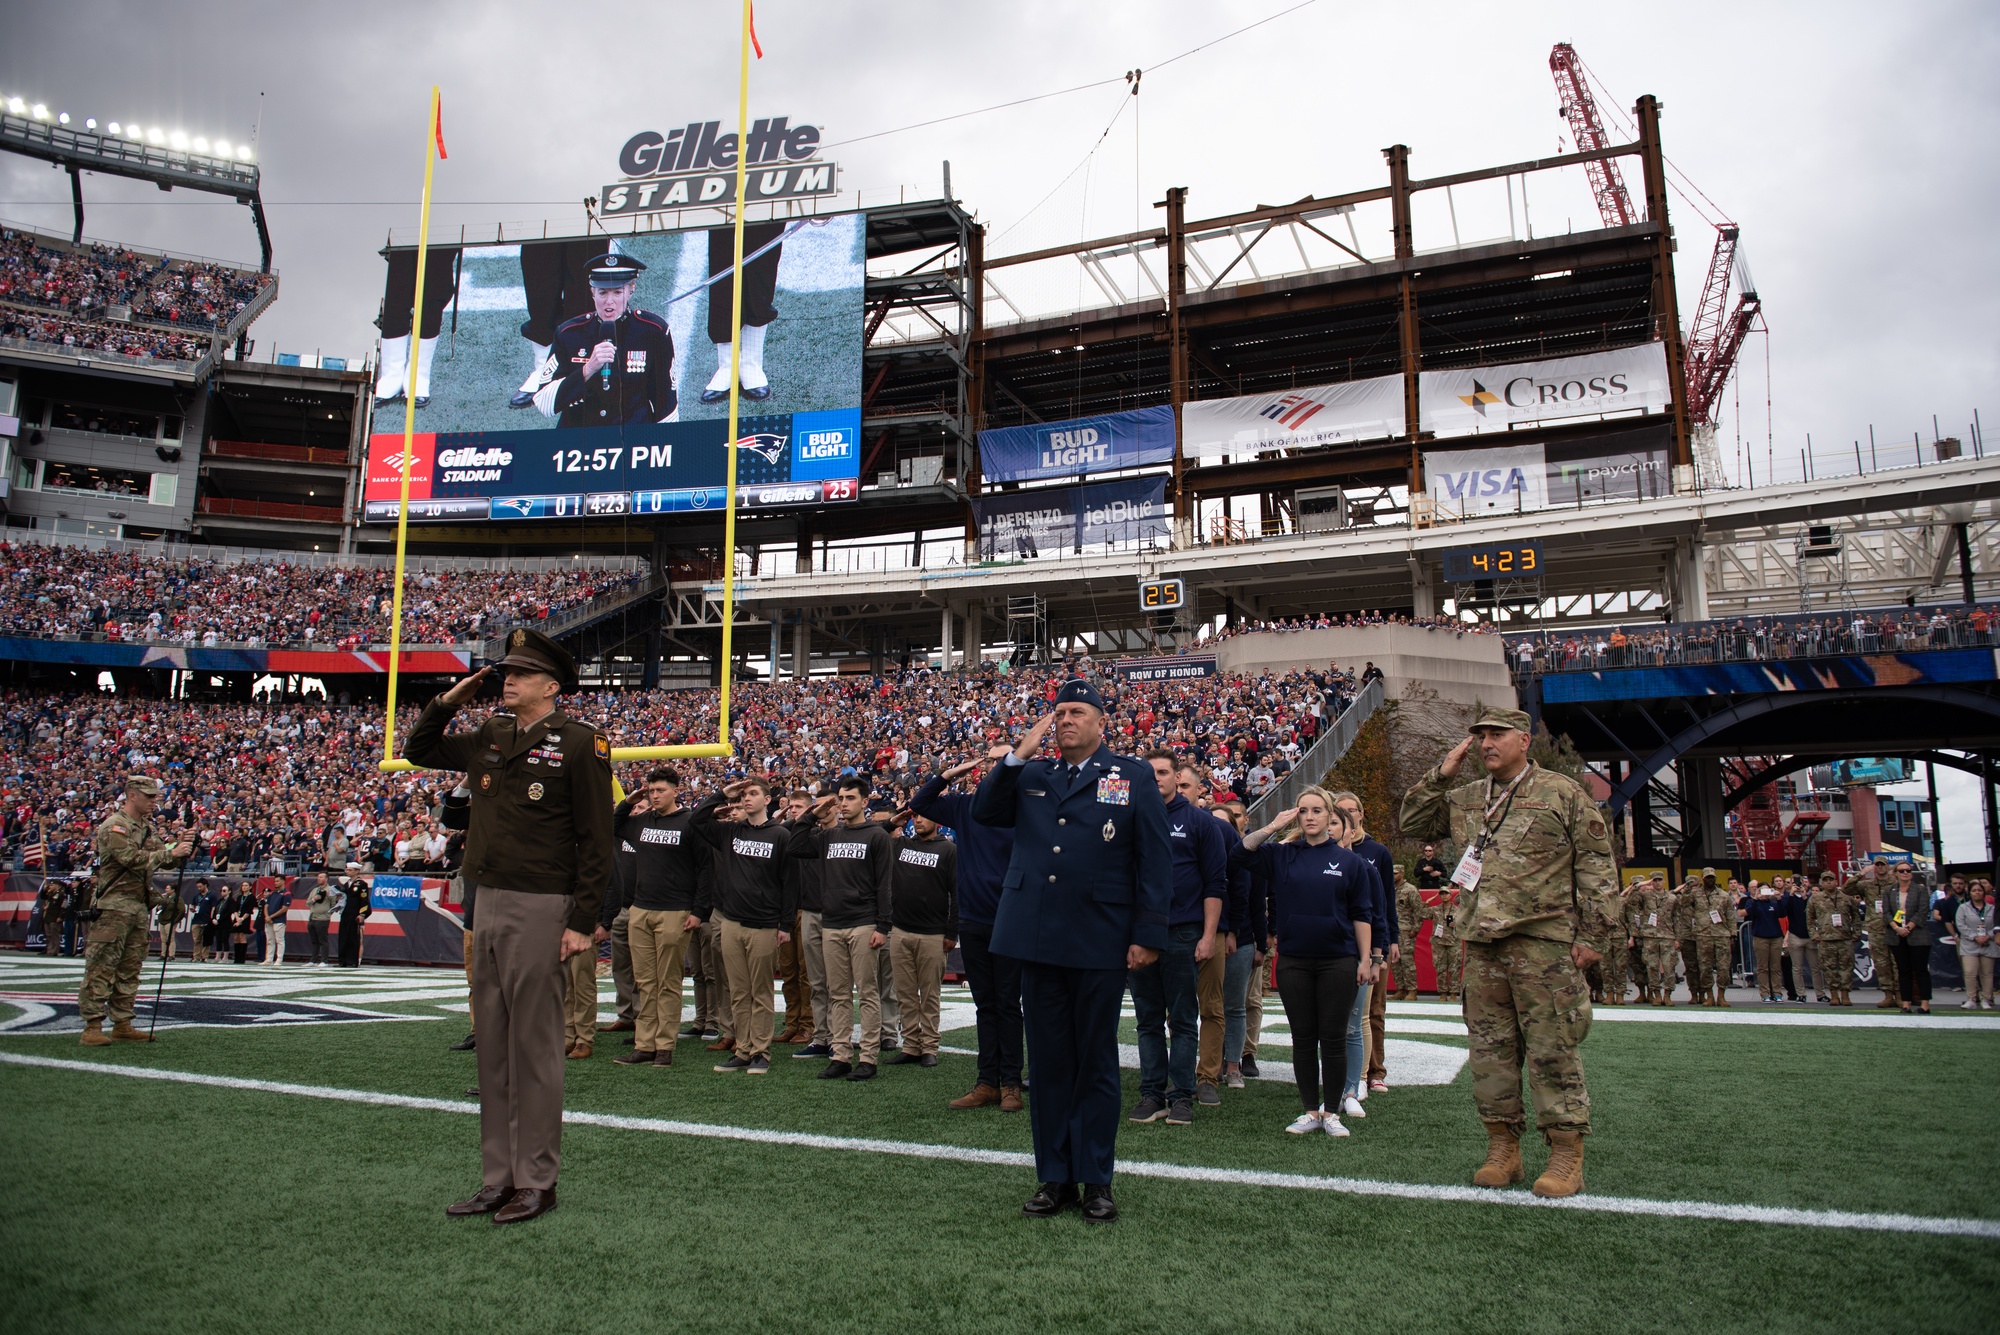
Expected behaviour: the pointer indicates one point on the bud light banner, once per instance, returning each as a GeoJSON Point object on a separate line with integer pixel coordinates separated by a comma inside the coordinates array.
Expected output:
{"type": "Point", "coordinates": [1494, 398]}
{"type": "Point", "coordinates": [1023, 525]}
{"type": "Point", "coordinates": [1316, 415]}
{"type": "Point", "coordinates": [1079, 446]}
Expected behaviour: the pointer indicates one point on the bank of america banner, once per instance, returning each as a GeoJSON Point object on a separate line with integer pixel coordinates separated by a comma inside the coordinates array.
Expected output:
{"type": "Point", "coordinates": [1023, 525]}
{"type": "Point", "coordinates": [1493, 398]}
{"type": "Point", "coordinates": [1318, 415]}
{"type": "Point", "coordinates": [1079, 446]}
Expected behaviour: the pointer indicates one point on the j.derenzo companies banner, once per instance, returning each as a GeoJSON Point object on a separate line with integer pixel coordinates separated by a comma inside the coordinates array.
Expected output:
{"type": "Point", "coordinates": [1079, 446]}
{"type": "Point", "coordinates": [1022, 525]}
{"type": "Point", "coordinates": [557, 395]}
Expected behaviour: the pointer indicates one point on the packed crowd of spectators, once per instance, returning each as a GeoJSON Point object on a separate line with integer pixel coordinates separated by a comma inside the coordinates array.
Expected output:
{"type": "Point", "coordinates": [1753, 639]}
{"type": "Point", "coordinates": [1353, 621]}
{"type": "Point", "coordinates": [57, 592]}
{"type": "Point", "coordinates": [85, 336]}
{"type": "Point", "coordinates": [295, 784]}
{"type": "Point", "coordinates": [86, 284]}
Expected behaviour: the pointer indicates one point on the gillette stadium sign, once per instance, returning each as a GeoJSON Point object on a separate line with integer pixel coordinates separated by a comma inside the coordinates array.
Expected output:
{"type": "Point", "coordinates": [695, 165]}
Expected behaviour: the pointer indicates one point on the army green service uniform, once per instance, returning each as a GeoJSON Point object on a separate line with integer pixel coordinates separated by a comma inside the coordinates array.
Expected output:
{"type": "Point", "coordinates": [128, 853]}
{"type": "Point", "coordinates": [1409, 920]}
{"type": "Point", "coordinates": [1547, 881]}
{"type": "Point", "coordinates": [1652, 916]}
{"type": "Point", "coordinates": [1712, 915]}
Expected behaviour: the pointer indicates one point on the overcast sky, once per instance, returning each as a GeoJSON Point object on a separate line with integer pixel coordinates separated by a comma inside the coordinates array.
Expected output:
{"type": "Point", "coordinates": [1852, 142]}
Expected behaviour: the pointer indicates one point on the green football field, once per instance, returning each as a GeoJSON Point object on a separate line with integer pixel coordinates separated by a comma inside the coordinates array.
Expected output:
{"type": "Point", "coordinates": [282, 1157]}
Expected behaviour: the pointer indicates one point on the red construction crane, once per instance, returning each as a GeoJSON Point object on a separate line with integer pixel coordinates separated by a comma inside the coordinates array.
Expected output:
{"type": "Point", "coordinates": [1607, 183]}
{"type": "Point", "coordinates": [1718, 332]}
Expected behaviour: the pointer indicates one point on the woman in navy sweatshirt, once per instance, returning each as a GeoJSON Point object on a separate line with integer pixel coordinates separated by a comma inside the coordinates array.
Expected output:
{"type": "Point", "coordinates": [1320, 895]}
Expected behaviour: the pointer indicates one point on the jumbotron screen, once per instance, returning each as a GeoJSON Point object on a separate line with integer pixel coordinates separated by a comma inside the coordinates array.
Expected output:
{"type": "Point", "coordinates": [589, 376]}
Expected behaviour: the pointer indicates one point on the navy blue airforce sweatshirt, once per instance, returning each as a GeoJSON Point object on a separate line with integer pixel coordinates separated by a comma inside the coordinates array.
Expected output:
{"type": "Point", "coordinates": [1318, 892]}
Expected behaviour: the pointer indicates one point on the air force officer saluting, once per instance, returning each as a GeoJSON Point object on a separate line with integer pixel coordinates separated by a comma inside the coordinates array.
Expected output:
{"type": "Point", "coordinates": [1085, 899]}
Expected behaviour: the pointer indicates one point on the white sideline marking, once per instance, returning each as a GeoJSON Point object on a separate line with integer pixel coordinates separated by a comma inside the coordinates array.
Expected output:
{"type": "Point", "coordinates": [1943, 1226]}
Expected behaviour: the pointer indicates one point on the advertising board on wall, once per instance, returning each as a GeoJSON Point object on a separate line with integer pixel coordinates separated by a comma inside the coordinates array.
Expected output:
{"type": "Point", "coordinates": [1514, 479]}
{"type": "Point", "coordinates": [1316, 415]}
{"type": "Point", "coordinates": [1022, 525]}
{"type": "Point", "coordinates": [1079, 446]}
{"type": "Point", "coordinates": [1494, 398]}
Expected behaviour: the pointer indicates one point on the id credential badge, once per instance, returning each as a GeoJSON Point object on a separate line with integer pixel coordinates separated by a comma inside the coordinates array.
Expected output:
{"type": "Point", "coordinates": [1466, 876]}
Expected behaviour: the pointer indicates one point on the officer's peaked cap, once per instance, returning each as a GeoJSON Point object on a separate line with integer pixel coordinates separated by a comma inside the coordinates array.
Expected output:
{"type": "Point", "coordinates": [614, 270]}
{"type": "Point", "coordinates": [536, 652]}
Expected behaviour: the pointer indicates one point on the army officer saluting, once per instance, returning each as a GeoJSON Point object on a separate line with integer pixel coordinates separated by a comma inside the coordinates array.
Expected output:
{"type": "Point", "coordinates": [538, 846]}
{"type": "Point", "coordinates": [615, 366]}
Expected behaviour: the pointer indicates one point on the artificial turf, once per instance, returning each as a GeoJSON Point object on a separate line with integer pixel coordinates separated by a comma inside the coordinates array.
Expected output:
{"type": "Point", "coordinates": [139, 1205]}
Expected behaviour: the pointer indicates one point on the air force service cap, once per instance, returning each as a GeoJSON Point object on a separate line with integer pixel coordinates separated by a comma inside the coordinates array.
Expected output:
{"type": "Point", "coordinates": [1077, 690]}
{"type": "Point", "coordinates": [614, 270]}
{"type": "Point", "coordinates": [536, 652]}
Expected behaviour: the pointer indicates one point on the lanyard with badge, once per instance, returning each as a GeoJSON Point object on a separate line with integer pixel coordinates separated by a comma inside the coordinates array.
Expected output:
{"type": "Point", "coordinates": [1466, 875]}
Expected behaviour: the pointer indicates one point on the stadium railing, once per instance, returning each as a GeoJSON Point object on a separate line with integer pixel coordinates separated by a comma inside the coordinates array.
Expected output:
{"type": "Point", "coordinates": [1321, 756]}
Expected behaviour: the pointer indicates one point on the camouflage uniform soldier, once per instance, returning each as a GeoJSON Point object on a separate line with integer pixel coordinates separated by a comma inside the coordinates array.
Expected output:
{"type": "Point", "coordinates": [1684, 935]}
{"type": "Point", "coordinates": [127, 856]}
{"type": "Point", "coordinates": [1634, 956]}
{"type": "Point", "coordinates": [170, 917]}
{"type": "Point", "coordinates": [1445, 956]}
{"type": "Point", "coordinates": [1833, 920]}
{"type": "Point", "coordinates": [1653, 928]}
{"type": "Point", "coordinates": [1540, 883]}
{"type": "Point", "coordinates": [1409, 920]}
{"type": "Point", "coordinates": [1874, 889]}
{"type": "Point", "coordinates": [1712, 912]}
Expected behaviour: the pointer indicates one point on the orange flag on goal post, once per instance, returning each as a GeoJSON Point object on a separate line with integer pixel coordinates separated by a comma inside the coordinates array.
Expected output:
{"type": "Point", "coordinates": [755, 45]}
{"type": "Point", "coordinates": [437, 127]}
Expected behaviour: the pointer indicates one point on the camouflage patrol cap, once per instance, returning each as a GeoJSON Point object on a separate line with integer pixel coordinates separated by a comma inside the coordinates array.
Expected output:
{"type": "Point", "coordinates": [536, 652]}
{"type": "Point", "coordinates": [1490, 716]}
{"type": "Point", "coordinates": [1708, 871]}
{"type": "Point", "coordinates": [143, 784]}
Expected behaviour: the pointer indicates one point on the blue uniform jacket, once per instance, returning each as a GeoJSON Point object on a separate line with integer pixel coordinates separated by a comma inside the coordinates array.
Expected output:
{"type": "Point", "coordinates": [1387, 932]}
{"type": "Point", "coordinates": [1092, 872]}
{"type": "Point", "coordinates": [983, 850]}
{"type": "Point", "coordinates": [1201, 861]}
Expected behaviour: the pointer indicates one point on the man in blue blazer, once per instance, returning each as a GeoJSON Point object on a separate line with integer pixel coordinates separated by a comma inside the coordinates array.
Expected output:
{"type": "Point", "coordinates": [1085, 899]}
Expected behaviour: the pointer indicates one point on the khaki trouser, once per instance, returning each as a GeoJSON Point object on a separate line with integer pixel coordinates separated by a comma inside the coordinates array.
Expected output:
{"type": "Point", "coordinates": [1378, 1012]}
{"type": "Point", "coordinates": [274, 943]}
{"type": "Point", "coordinates": [812, 944]}
{"type": "Point", "coordinates": [851, 968]}
{"type": "Point", "coordinates": [1978, 970]}
{"type": "Point", "coordinates": [1769, 973]}
{"type": "Point", "coordinates": [722, 1012]}
{"type": "Point", "coordinates": [749, 954]}
{"type": "Point", "coordinates": [659, 944]}
{"type": "Point", "coordinates": [621, 966]}
{"type": "Point", "coordinates": [517, 982]}
{"type": "Point", "coordinates": [1208, 996]}
{"type": "Point", "coordinates": [1253, 1007]}
{"type": "Point", "coordinates": [798, 988]}
{"type": "Point", "coordinates": [885, 991]}
{"type": "Point", "coordinates": [918, 958]}
{"type": "Point", "coordinates": [579, 996]}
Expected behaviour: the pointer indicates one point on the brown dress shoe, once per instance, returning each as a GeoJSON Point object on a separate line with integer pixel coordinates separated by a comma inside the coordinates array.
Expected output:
{"type": "Point", "coordinates": [581, 1052]}
{"type": "Point", "coordinates": [982, 1096]}
{"type": "Point", "coordinates": [1011, 1100]}
{"type": "Point", "coordinates": [723, 1045]}
{"type": "Point", "coordinates": [618, 1026]}
{"type": "Point", "coordinates": [528, 1203]}
{"type": "Point", "coordinates": [484, 1201]}
{"type": "Point", "coordinates": [664, 1057]}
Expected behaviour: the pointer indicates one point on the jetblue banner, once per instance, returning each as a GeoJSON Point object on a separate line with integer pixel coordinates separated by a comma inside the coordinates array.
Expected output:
{"type": "Point", "coordinates": [1079, 446]}
{"type": "Point", "coordinates": [1022, 525]}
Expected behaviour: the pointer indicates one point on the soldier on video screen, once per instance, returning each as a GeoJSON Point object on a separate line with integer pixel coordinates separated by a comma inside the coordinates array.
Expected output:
{"type": "Point", "coordinates": [614, 366]}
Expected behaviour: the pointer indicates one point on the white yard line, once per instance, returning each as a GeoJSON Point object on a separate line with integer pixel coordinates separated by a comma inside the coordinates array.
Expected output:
{"type": "Point", "coordinates": [1354, 1186]}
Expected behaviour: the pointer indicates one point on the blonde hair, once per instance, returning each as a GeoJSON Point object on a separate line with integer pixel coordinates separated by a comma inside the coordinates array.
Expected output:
{"type": "Point", "coordinates": [1334, 813]}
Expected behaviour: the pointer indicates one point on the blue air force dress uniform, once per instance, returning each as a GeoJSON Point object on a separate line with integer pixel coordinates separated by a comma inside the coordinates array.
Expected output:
{"type": "Point", "coordinates": [636, 388]}
{"type": "Point", "coordinates": [1091, 874]}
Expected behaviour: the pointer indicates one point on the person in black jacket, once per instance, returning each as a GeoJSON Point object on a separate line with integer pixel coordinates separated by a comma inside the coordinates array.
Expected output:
{"type": "Point", "coordinates": [671, 872]}
{"type": "Point", "coordinates": [752, 902]}
{"type": "Point", "coordinates": [353, 912]}
{"type": "Point", "coordinates": [857, 865]}
{"type": "Point", "coordinates": [1321, 898]}
{"type": "Point", "coordinates": [924, 908]}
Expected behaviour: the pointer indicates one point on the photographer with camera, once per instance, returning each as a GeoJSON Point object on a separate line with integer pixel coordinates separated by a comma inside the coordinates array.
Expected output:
{"type": "Point", "coordinates": [123, 897]}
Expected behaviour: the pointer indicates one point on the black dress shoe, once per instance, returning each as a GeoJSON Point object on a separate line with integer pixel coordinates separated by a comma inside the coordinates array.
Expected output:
{"type": "Point", "coordinates": [520, 398]}
{"type": "Point", "coordinates": [528, 1203]}
{"type": "Point", "coordinates": [1050, 1199]}
{"type": "Point", "coordinates": [903, 1059]}
{"type": "Point", "coordinates": [424, 401]}
{"type": "Point", "coordinates": [834, 1071]}
{"type": "Point", "coordinates": [1097, 1205]}
{"type": "Point", "coordinates": [865, 1071]}
{"type": "Point", "coordinates": [928, 1059]}
{"type": "Point", "coordinates": [466, 1044]}
{"type": "Point", "coordinates": [759, 394]}
{"type": "Point", "coordinates": [484, 1201]}
{"type": "Point", "coordinates": [714, 395]}
{"type": "Point", "coordinates": [472, 1091]}
{"type": "Point", "coordinates": [633, 1058]}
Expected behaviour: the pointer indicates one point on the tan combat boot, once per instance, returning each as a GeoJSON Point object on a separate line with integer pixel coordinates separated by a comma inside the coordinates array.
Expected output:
{"type": "Point", "coordinates": [1503, 1158]}
{"type": "Point", "coordinates": [125, 1033]}
{"type": "Point", "coordinates": [94, 1035]}
{"type": "Point", "coordinates": [1721, 994]}
{"type": "Point", "coordinates": [1564, 1175]}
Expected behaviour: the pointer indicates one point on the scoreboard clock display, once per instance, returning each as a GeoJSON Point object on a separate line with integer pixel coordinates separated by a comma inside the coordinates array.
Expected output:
{"type": "Point", "coordinates": [1497, 560]}
{"type": "Point", "coordinates": [1161, 595]}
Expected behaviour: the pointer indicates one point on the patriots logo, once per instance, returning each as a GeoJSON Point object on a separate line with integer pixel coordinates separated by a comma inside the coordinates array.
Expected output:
{"type": "Point", "coordinates": [765, 445]}
{"type": "Point", "coordinates": [520, 504]}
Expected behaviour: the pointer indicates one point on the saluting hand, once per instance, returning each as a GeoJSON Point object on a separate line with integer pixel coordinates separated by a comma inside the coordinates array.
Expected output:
{"type": "Point", "coordinates": [1448, 767]}
{"type": "Point", "coordinates": [1030, 744]}
{"type": "Point", "coordinates": [464, 690]}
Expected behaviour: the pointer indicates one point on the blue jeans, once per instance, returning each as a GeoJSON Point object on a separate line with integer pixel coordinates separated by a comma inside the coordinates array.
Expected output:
{"type": "Point", "coordinates": [1357, 1040]}
{"type": "Point", "coordinates": [1163, 998]}
{"type": "Point", "coordinates": [1235, 999]}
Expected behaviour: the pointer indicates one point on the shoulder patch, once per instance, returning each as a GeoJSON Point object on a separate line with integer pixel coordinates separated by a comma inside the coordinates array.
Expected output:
{"type": "Point", "coordinates": [600, 745]}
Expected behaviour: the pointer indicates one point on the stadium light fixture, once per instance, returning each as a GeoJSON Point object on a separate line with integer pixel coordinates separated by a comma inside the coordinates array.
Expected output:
{"type": "Point", "coordinates": [132, 130]}
{"type": "Point", "coordinates": [90, 122]}
{"type": "Point", "coordinates": [16, 105]}
{"type": "Point", "coordinates": [243, 153]}
{"type": "Point", "coordinates": [62, 118]}
{"type": "Point", "coordinates": [200, 144]}
{"type": "Point", "coordinates": [113, 127]}
{"type": "Point", "coordinates": [40, 111]}
{"type": "Point", "coordinates": [156, 136]}
{"type": "Point", "coordinates": [178, 140]}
